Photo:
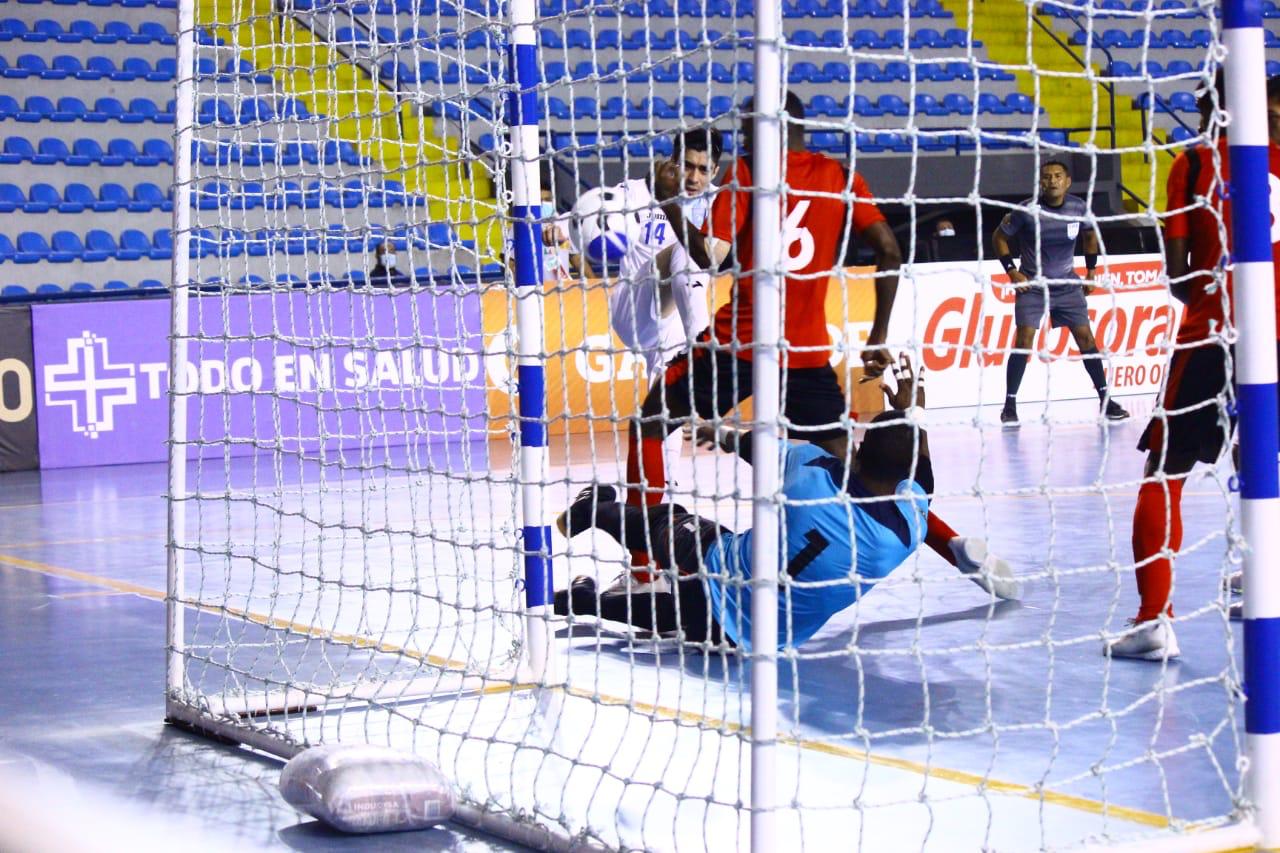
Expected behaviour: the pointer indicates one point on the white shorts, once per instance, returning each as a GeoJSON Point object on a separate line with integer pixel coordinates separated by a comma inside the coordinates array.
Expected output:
{"type": "Point", "coordinates": [634, 316]}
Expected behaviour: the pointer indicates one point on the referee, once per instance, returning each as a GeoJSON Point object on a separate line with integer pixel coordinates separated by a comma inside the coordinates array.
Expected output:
{"type": "Point", "coordinates": [1052, 254]}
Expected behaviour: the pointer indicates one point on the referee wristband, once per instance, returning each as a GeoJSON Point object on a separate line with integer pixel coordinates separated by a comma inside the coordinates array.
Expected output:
{"type": "Point", "coordinates": [1090, 264]}
{"type": "Point", "coordinates": [1006, 261]}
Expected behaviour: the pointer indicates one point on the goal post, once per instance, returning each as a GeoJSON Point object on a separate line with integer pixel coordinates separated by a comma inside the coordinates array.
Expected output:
{"type": "Point", "coordinates": [365, 467]}
{"type": "Point", "coordinates": [1251, 188]}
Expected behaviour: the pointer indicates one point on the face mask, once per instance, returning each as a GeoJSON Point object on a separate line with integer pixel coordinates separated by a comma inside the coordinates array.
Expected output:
{"type": "Point", "coordinates": [389, 260]}
{"type": "Point", "coordinates": [947, 232]}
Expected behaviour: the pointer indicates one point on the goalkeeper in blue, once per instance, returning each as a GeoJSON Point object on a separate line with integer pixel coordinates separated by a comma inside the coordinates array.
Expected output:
{"type": "Point", "coordinates": [844, 529]}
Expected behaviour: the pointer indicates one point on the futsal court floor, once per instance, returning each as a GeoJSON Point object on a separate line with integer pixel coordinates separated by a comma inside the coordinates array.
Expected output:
{"type": "Point", "coordinates": [926, 717]}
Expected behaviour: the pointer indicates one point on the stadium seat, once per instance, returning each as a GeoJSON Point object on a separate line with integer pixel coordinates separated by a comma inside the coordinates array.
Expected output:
{"type": "Point", "coordinates": [49, 289]}
{"type": "Point", "coordinates": [148, 197]}
{"type": "Point", "coordinates": [115, 284]}
{"type": "Point", "coordinates": [99, 245]}
{"type": "Point", "coordinates": [890, 104]}
{"type": "Point", "coordinates": [65, 247]}
{"type": "Point", "coordinates": [77, 198]}
{"type": "Point", "coordinates": [824, 105]}
{"type": "Point", "coordinates": [1017, 102]}
{"type": "Point", "coordinates": [17, 149]}
{"type": "Point", "coordinates": [111, 198]}
{"type": "Point", "coordinates": [134, 245]}
{"type": "Point", "coordinates": [35, 108]}
{"type": "Point", "coordinates": [928, 104]}
{"type": "Point", "coordinates": [161, 245]}
{"type": "Point", "coordinates": [42, 198]}
{"type": "Point", "coordinates": [11, 198]}
{"type": "Point", "coordinates": [957, 104]}
{"type": "Point", "coordinates": [67, 67]}
{"type": "Point", "coordinates": [7, 249]}
{"type": "Point", "coordinates": [31, 248]}
{"type": "Point", "coordinates": [81, 287]}
{"type": "Point", "coordinates": [896, 72]}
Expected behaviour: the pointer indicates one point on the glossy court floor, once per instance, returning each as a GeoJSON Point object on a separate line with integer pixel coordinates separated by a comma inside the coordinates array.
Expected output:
{"type": "Point", "coordinates": [927, 717]}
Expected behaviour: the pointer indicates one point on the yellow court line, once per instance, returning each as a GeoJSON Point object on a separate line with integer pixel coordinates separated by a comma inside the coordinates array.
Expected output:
{"type": "Point", "coordinates": [983, 783]}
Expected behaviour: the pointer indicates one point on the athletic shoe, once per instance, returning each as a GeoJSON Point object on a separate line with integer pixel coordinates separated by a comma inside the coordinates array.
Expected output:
{"type": "Point", "coordinates": [1153, 640]}
{"type": "Point", "coordinates": [1009, 415]}
{"type": "Point", "coordinates": [581, 595]}
{"type": "Point", "coordinates": [1113, 411]}
{"type": "Point", "coordinates": [1235, 611]}
{"type": "Point", "coordinates": [988, 571]}
{"type": "Point", "coordinates": [1234, 583]}
{"type": "Point", "coordinates": [580, 514]}
{"type": "Point", "coordinates": [641, 581]}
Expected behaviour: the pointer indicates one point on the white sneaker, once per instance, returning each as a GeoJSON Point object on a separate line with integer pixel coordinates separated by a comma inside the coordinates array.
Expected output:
{"type": "Point", "coordinates": [1234, 583]}
{"type": "Point", "coordinates": [988, 571]}
{"type": "Point", "coordinates": [1153, 640]}
{"type": "Point", "coordinates": [626, 584]}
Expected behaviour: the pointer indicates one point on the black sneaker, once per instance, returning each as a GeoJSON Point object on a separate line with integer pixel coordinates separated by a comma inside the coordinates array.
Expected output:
{"type": "Point", "coordinates": [1009, 415]}
{"type": "Point", "coordinates": [1113, 411]}
{"type": "Point", "coordinates": [581, 595]}
{"type": "Point", "coordinates": [578, 516]}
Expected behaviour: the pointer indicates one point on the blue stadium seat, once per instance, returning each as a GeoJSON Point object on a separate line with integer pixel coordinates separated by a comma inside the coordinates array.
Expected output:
{"type": "Point", "coordinates": [161, 245]}
{"type": "Point", "coordinates": [120, 152]}
{"type": "Point", "coordinates": [824, 105]}
{"type": "Point", "coordinates": [51, 150]}
{"type": "Point", "coordinates": [42, 198]}
{"type": "Point", "coordinates": [11, 198]}
{"type": "Point", "coordinates": [35, 108]}
{"type": "Point", "coordinates": [863, 106]}
{"type": "Point", "coordinates": [147, 197]}
{"type": "Point", "coordinates": [134, 68]}
{"type": "Point", "coordinates": [32, 248]}
{"type": "Point", "coordinates": [827, 141]}
{"type": "Point", "coordinates": [48, 289]}
{"type": "Point", "coordinates": [896, 71]}
{"type": "Point", "coordinates": [254, 110]}
{"type": "Point", "coordinates": [98, 68]}
{"type": "Point", "coordinates": [28, 65]}
{"type": "Point", "coordinates": [7, 250]}
{"type": "Point", "coordinates": [890, 104]}
{"type": "Point", "coordinates": [134, 246]}
{"type": "Point", "coordinates": [153, 153]}
{"type": "Point", "coordinates": [115, 284]}
{"type": "Point", "coordinates": [991, 104]}
{"type": "Point", "coordinates": [215, 111]}
{"type": "Point", "coordinates": [805, 72]}
{"type": "Point", "coordinates": [957, 104]}
{"type": "Point", "coordinates": [76, 198]}
{"type": "Point", "coordinates": [719, 105]}
{"type": "Point", "coordinates": [110, 109]}
{"type": "Point", "coordinates": [1017, 102]}
{"type": "Point", "coordinates": [111, 198]}
{"type": "Point", "coordinates": [65, 247]}
{"type": "Point", "coordinates": [9, 107]}
{"type": "Point", "coordinates": [928, 104]}
{"type": "Point", "coordinates": [66, 67]}
{"type": "Point", "coordinates": [17, 149]}
{"type": "Point", "coordinates": [99, 245]}
{"type": "Point", "coordinates": [165, 70]}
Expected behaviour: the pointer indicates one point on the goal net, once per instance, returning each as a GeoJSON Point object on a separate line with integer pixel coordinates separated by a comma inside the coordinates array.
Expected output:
{"type": "Point", "coordinates": [398, 356]}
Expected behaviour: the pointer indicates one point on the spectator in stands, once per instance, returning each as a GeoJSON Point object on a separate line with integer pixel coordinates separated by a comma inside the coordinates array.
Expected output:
{"type": "Point", "coordinates": [944, 228]}
{"type": "Point", "coordinates": [384, 272]}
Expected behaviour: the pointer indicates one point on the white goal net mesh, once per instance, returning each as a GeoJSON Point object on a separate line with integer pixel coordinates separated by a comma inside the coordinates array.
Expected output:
{"type": "Point", "coordinates": [351, 560]}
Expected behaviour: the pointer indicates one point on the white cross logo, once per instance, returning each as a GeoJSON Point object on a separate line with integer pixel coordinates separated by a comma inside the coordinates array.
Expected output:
{"type": "Point", "coordinates": [89, 379]}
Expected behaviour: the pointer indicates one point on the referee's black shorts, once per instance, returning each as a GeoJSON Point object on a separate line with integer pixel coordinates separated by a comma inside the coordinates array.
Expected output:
{"type": "Point", "coordinates": [1192, 417]}
{"type": "Point", "coordinates": [716, 381]}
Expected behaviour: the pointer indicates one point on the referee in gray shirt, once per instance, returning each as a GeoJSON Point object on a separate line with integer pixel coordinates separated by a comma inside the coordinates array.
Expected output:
{"type": "Point", "coordinates": [1051, 254]}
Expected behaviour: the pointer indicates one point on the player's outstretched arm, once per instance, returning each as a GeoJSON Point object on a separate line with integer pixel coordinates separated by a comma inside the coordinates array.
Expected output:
{"type": "Point", "coordinates": [908, 394]}
{"type": "Point", "coordinates": [879, 237]}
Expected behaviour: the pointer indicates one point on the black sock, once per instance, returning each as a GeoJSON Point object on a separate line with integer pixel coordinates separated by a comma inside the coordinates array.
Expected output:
{"type": "Point", "coordinates": [1093, 364]}
{"type": "Point", "coordinates": [1014, 368]}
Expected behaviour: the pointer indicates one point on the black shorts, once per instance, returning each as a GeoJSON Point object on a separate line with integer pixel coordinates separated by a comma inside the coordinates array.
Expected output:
{"type": "Point", "coordinates": [1067, 307]}
{"type": "Point", "coordinates": [715, 381]}
{"type": "Point", "coordinates": [1193, 421]}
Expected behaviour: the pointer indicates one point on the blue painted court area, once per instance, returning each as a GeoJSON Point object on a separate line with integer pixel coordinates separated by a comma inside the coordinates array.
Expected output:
{"type": "Point", "coordinates": [1004, 717]}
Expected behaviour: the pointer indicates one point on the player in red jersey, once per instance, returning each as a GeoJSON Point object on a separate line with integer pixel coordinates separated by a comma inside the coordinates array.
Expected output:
{"type": "Point", "coordinates": [1189, 425]}
{"type": "Point", "coordinates": [715, 375]}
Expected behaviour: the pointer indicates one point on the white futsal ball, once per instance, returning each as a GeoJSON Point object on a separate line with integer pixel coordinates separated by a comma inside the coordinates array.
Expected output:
{"type": "Point", "coordinates": [606, 229]}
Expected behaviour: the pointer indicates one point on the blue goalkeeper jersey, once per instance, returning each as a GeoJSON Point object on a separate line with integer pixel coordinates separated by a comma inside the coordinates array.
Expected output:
{"type": "Point", "coordinates": [825, 568]}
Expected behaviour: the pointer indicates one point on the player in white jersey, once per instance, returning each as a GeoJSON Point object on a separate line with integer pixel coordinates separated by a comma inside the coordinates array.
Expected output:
{"type": "Point", "coordinates": [658, 298]}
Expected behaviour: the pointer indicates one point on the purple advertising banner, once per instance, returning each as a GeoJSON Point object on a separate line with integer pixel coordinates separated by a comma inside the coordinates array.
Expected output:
{"type": "Point", "coordinates": [271, 373]}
